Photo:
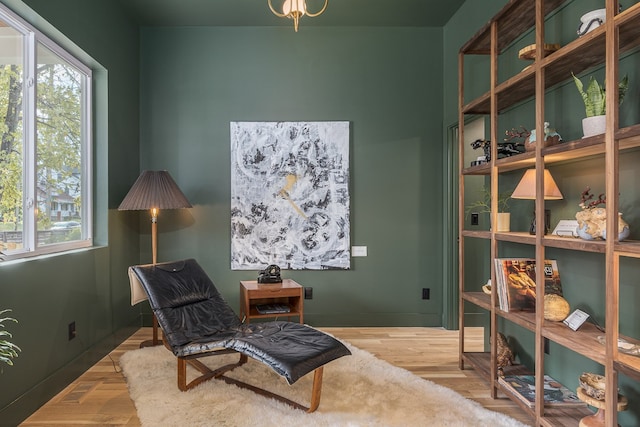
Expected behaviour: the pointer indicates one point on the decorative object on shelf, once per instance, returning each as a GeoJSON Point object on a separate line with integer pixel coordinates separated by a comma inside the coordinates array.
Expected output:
{"type": "Point", "coordinates": [598, 419]}
{"type": "Point", "coordinates": [526, 189]}
{"type": "Point", "coordinates": [576, 319]}
{"type": "Point", "coordinates": [592, 220]}
{"type": "Point", "coordinates": [591, 20]}
{"type": "Point", "coordinates": [484, 206]}
{"type": "Point", "coordinates": [8, 350]}
{"type": "Point", "coordinates": [518, 137]}
{"type": "Point", "coordinates": [624, 346]}
{"type": "Point", "coordinates": [566, 228]}
{"type": "Point", "coordinates": [505, 149]}
{"type": "Point", "coordinates": [556, 308]}
{"type": "Point", "coordinates": [593, 385]}
{"type": "Point", "coordinates": [296, 9]}
{"type": "Point", "coordinates": [595, 104]}
{"type": "Point", "coordinates": [486, 288]}
{"type": "Point", "coordinates": [529, 52]}
{"type": "Point", "coordinates": [505, 354]}
{"type": "Point", "coordinates": [551, 137]}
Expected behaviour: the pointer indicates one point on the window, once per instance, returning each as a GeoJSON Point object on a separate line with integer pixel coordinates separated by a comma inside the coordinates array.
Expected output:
{"type": "Point", "coordinates": [45, 144]}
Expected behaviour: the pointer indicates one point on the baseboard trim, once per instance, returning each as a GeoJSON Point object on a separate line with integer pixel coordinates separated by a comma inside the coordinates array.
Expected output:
{"type": "Point", "coordinates": [25, 405]}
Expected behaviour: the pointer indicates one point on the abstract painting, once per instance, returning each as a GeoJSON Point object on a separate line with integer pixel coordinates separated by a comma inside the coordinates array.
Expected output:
{"type": "Point", "coordinates": [290, 195]}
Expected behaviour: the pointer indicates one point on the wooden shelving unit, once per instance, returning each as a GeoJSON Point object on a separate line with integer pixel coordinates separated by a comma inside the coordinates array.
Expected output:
{"type": "Point", "coordinates": [602, 46]}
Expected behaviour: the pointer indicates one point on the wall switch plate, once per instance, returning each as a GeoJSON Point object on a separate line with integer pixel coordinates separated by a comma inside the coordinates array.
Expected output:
{"type": "Point", "coordinates": [426, 293]}
{"type": "Point", "coordinates": [308, 293]}
{"type": "Point", "coordinates": [358, 251]}
{"type": "Point", "coordinates": [474, 218]}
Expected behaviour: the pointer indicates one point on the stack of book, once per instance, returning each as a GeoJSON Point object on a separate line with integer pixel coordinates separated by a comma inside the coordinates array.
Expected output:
{"type": "Point", "coordinates": [516, 286]}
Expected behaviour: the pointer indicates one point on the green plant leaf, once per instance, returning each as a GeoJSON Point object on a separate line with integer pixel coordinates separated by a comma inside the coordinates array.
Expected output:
{"type": "Point", "coordinates": [596, 97]}
{"type": "Point", "coordinates": [585, 97]}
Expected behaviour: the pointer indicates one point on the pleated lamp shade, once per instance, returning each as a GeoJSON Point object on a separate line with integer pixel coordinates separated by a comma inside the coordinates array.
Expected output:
{"type": "Point", "coordinates": [154, 190]}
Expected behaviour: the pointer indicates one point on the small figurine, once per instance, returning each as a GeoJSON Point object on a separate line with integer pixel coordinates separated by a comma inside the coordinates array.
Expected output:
{"type": "Point", "coordinates": [551, 137]}
{"type": "Point", "coordinates": [505, 354]}
{"type": "Point", "coordinates": [504, 149]}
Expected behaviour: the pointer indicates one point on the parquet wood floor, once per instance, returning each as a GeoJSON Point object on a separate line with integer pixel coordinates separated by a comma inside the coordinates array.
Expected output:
{"type": "Point", "coordinates": [99, 397]}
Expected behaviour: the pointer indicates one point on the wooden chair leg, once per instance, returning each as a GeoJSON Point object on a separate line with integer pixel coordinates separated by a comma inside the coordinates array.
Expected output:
{"type": "Point", "coordinates": [316, 389]}
{"type": "Point", "coordinates": [182, 374]}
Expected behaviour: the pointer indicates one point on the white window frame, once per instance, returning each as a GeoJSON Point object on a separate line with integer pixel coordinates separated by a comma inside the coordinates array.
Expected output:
{"type": "Point", "coordinates": [32, 36]}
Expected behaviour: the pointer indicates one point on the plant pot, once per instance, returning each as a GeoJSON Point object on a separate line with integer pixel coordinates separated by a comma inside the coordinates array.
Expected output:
{"type": "Point", "coordinates": [595, 125]}
{"type": "Point", "coordinates": [503, 222]}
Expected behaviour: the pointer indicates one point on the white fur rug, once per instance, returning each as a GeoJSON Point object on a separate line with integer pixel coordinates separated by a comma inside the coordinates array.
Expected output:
{"type": "Point", "coordinates": [357, 390]}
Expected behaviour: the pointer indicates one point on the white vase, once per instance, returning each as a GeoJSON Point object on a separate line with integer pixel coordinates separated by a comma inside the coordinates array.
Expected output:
{"type": "Point", "coordinates": [503, 222]}
{"type": "Point", "coordinates": [595, 125]}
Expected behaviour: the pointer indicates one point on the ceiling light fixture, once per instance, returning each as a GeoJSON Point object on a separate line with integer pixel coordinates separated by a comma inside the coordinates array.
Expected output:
{"type": "Point", "coordinates": [295, 9]}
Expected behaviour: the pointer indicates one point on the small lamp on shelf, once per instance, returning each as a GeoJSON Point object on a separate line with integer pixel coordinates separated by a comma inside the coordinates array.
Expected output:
{"type": "Point", "coordinates": [526, 190]}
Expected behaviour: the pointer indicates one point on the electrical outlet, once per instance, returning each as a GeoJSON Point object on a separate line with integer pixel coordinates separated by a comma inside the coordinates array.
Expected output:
{"type": "Point", "coordinates": [72, 330]}
{"type": "Point", "coordinates": [475, 218]}
{"type": "Point", "coordinates": [426, 293]}
{"type": "Point", "coordinates": [308, 293]}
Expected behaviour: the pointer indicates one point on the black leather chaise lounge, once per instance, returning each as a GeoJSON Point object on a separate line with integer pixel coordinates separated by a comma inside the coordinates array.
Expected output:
{"type": "Point", "coordinates": [197, 322]}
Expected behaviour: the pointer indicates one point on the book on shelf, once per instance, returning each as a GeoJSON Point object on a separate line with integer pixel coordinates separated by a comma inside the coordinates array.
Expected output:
{"type": "Point", "coordinates": [516, 286]}
{"type": "Point", "coordinates": [272, 308]}
{"type": "Point", "coordinates": [524, 388]}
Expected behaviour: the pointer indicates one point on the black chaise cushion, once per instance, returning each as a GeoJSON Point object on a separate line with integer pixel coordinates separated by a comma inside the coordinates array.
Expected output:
{"type": "Point", "coordinates": [196, 320]}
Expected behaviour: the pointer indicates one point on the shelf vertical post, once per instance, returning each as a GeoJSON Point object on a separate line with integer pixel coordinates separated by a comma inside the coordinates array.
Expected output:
{"type": "Point", "coordinates": [460, 209]}
{"type": "Point", "coordinates": [612, 180]}
{"type": "Point", "coordinates": [539, 206]}
{"type": "Point", "coordinates": [494, 204]}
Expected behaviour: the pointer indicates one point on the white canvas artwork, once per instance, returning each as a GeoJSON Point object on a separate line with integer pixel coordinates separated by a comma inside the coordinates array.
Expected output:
{"type": "Point", "coordinates": [290, 195]}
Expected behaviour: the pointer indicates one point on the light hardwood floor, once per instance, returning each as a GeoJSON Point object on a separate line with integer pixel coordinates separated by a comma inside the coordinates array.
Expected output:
{"type": "Point", "coordinates": [100, 396]}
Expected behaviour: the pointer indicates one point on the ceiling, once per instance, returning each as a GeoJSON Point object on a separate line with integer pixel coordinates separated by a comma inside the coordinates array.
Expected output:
{"type": "Point", "coordinates": [376, 13]}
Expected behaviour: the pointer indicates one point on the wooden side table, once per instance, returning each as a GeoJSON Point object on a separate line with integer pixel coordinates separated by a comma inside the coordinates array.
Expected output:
{"type": "Point", "coordinates": [253, 293]}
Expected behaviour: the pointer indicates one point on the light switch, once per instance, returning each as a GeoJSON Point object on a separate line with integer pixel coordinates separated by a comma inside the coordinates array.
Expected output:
{"type": "Point", "coordinates": [358, 251]}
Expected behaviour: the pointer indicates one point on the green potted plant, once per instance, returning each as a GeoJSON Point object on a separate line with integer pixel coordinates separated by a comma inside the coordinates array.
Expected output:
{"type": "Point", "coordinates": [8, 350]}
{"type": "Point", "coordinates": [483, 205]}
{"type": "Point", "coordinates": [595, 104]}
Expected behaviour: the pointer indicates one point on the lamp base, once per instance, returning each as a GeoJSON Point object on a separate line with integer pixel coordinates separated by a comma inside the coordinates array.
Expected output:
{"type": "Point", "coordinates": [547, 222]}
{"type": "Point", "coordinates": [155, 341]}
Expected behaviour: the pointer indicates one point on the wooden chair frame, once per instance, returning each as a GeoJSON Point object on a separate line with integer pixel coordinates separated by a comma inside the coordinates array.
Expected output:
{"type": "Point", "coordinates": [218, 374]}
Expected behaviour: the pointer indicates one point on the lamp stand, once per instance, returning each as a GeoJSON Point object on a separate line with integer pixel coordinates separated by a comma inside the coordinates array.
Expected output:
{"type": "Point", "coordinates": [154, 256]}
{"type": "Point", "coordinates": [547, 222]}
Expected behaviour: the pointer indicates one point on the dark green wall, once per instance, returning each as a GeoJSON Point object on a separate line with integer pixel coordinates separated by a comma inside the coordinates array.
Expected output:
{"type": "Point", "coordinates": [89, 287]}
{"type": "Point", "coordinates": [582, 274]}
{"type": "Point", "coordinates": [385, 81]}
{"type": "Point", "coordinates": [194, 82]}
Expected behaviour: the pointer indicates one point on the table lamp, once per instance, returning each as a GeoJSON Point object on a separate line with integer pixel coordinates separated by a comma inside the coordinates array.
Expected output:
{"type": "Point", "coordinates": [154, 190]}
{"type": "Point", "coordinates": [526, 189]}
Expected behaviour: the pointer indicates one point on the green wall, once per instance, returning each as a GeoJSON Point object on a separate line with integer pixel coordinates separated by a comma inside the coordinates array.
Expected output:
{"type": "Point", "coordinates": [89, 287]}
{"type": "Point", "coordinates": [385, 81]}
{"type": "Point", "coordinates": [164, 100]}
{"type": "Point", "coordinates": [582, 274]}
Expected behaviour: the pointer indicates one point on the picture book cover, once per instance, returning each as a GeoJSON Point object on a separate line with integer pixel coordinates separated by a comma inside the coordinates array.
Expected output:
{"type": "Point", "coordinates": [524, 387]}
{"type": "Point", "coordinates": [517, 279]}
